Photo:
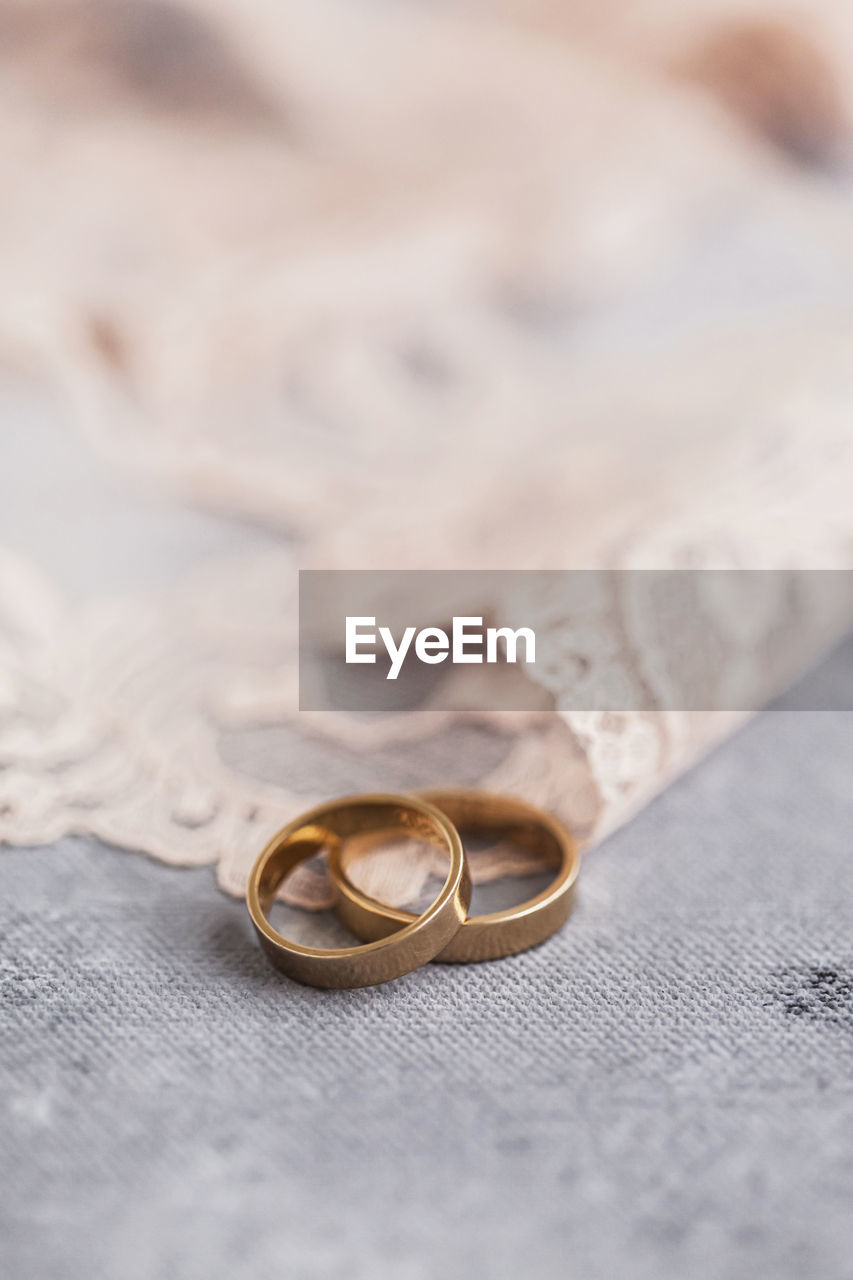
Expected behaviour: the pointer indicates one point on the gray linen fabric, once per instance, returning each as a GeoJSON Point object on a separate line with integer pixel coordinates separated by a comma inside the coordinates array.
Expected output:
{"type": "Point", "coordinates": [663, 1090]}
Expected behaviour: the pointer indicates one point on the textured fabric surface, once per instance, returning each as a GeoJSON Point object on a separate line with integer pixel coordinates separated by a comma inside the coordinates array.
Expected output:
{"type": "Point", "coordinates": [663, 1090]}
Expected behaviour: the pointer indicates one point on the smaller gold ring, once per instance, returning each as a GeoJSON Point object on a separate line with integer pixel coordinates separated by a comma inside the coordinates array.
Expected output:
{"type": "Point", "coordinates": [327, 827]}
{"type": "Point", "coordinates": [483, 937]}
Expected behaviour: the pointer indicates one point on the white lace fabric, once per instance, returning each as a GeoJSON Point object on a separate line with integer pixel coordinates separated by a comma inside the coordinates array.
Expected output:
{"type": "Point", "coordinates": [529, 307]}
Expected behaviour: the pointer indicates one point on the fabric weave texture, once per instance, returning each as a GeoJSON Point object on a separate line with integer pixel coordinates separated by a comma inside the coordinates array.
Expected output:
{"type": "Point", "coordinates": [665, 1089]}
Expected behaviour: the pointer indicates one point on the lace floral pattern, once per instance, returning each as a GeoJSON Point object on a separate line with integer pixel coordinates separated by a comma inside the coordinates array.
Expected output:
{"type": "Point", "coordinates": [547, 303]}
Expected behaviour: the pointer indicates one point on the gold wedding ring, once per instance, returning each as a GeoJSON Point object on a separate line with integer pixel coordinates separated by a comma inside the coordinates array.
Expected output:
{"type": "Point", "coordinates": [483, 937]}
{"type": "Point", "coordinates": [399, 949]}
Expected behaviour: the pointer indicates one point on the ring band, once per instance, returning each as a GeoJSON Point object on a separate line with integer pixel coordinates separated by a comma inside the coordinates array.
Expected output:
{"type": "Point", "coordinates": [482, 937]}
{"type": "Point", "coordinates": [328, 827]}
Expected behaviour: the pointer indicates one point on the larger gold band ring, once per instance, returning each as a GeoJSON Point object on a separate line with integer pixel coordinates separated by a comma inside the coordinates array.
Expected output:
{"type": "Point", "coordinates": [327, 827]}
{"type": "Point", "coordinates": [483, 937]}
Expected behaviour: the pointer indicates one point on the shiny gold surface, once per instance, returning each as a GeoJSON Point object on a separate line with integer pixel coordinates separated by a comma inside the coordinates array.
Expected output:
{"type": "Point", "coordinates": [326, 827]}
{"type": "Point", "coordinates": [484, 937]}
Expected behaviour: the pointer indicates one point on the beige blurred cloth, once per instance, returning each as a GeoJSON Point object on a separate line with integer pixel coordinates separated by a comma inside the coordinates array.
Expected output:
{"type": "Point", "coordinates": [423, 287]}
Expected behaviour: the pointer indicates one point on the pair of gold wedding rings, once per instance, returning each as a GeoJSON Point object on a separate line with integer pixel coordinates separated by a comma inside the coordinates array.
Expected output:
{"type": "Point", "coordinates": [396, 942]}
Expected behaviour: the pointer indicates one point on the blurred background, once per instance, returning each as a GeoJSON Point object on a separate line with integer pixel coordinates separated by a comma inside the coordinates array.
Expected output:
{"type": "Point", "coordinates": [367, 285]}
{"type": "Point", "coordinates": [358, 284]}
